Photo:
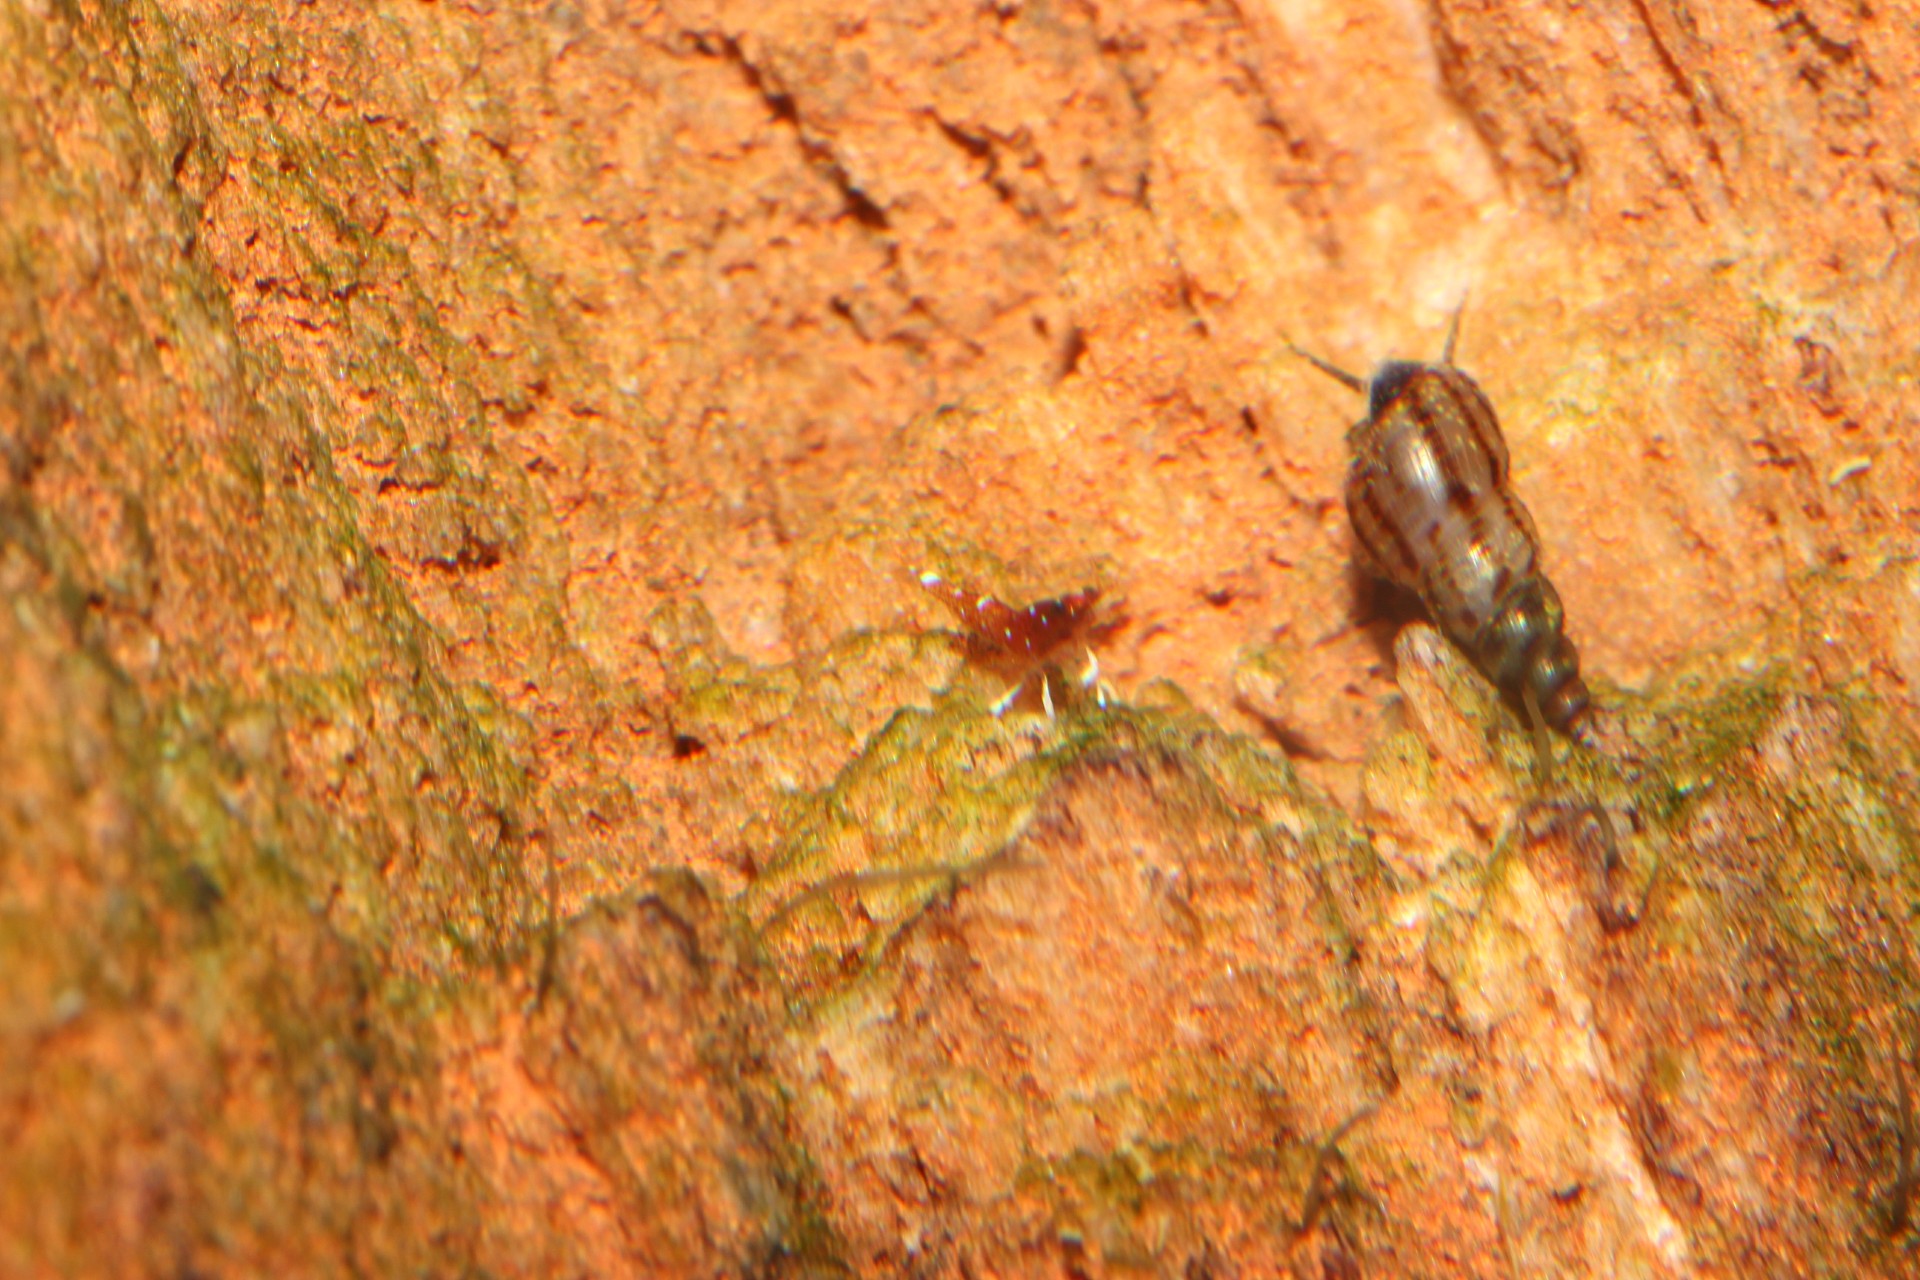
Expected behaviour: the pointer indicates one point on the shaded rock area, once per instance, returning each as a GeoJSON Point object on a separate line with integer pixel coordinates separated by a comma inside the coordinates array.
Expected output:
{"type": "Point", "coordinates": [482, 789]}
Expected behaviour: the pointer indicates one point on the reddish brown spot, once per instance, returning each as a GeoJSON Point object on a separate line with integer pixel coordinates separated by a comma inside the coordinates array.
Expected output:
{"type": "Point", "coordinates": [1026, 631]}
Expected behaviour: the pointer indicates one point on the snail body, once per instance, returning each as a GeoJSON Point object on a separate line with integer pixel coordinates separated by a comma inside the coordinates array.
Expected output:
{"type": "Point", "coordinates": [1428, 496]}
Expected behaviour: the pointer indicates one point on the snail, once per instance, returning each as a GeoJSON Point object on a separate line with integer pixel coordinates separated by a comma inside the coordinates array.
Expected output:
{"type": "Point", "coordinates": [1428, 496]}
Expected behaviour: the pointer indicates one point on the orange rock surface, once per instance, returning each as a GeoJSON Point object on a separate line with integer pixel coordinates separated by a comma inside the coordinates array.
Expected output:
{"type": "Point", "coordinates": [482, 790]}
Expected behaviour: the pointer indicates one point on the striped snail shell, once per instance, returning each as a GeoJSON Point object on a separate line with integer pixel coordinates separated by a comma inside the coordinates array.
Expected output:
{"type": "Point", "coordinates": [1430, 504]}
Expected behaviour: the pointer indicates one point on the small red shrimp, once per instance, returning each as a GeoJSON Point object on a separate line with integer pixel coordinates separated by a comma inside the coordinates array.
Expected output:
{"type": "Point", "coordinates": [1025, 638]}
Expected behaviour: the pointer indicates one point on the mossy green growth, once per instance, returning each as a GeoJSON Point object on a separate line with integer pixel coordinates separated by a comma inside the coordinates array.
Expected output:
{"type": "Point", "coordinates": [936, 796]}
{"type": "Point", "coordinates": [1768, 828]}
{"type": "Point", "coordinates": [939, 795]}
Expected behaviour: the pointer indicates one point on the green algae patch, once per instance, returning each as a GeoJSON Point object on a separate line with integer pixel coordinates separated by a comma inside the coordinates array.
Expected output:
{"type": "Point", "coordinates": [939, 796]}
{"type": "Point", "coordinates": [1730, 906]}
{"type": "Point", "coordinates": [1780, 939]}
{"type": "Point", "coordinates": [256, 833]}
{"type": "Point", "coordinates": [645, 1040]}
{"type": "Point", "coordinates": [1086, 971]}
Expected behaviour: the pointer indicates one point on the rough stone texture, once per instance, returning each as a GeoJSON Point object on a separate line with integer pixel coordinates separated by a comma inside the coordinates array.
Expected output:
{"type": "Point", "coordinates": [480, 790]}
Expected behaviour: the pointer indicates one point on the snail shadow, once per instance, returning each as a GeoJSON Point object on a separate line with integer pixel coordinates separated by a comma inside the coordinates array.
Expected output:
{"type": "Point", "coordinates": [1378, 610]}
